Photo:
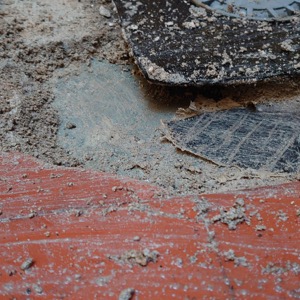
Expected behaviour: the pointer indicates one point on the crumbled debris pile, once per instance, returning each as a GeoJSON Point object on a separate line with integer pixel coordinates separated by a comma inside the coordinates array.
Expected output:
{"type": "Point", "coordinates": [234, 216]}
{"type": "Point", "coordinates": [135, 257]}
{"type": "Point", "coordinates": [238, 261]}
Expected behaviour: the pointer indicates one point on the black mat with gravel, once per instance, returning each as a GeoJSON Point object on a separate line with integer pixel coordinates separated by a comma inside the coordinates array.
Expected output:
{"type": "Point", "coordinates": [251, 139]}
{"type": "Point", "coordinates": [177, 42]}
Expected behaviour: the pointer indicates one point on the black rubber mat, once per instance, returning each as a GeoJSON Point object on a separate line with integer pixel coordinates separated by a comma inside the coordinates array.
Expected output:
{"type": "Point", "coordinates": [259, 140]}
{"type": "Point", "coordinates": [177, 42]}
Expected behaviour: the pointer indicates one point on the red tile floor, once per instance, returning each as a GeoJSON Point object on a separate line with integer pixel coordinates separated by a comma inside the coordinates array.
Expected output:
{"type": "Point", "coordinates": [76, 234]}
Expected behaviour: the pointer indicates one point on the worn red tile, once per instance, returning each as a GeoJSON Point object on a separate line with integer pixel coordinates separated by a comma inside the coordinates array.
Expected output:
{"type": "Point", "coordinates": [92, 235]}
{"type": "Point", "coordinates": [100, 235]}
{"type": "Point", "coordinates": [261, 256]}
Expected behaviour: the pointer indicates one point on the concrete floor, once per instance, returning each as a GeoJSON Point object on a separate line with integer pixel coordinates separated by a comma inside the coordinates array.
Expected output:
{"type": "Point", "coordinates": [110, 120]}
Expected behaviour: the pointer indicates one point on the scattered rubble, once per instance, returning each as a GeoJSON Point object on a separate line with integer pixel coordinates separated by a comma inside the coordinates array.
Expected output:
{"type": "Point", "coordinates": [37, 288]}
{"type": "Point", "coordinates": [136, 257]}
{"type": "Point", "coordinates": [234, 216]}
{"type": "Point", "coordinates": [126, 294]}
{"type": "Point", "coordinates": [27, 264]}
{"type": "Point", "coordinates": [279, 269]}
{"type": "Point", "coordinates": [260, 227]}
{"type": "Point", "coordinates": [238, 261]}
{"type": "Point", "coordinates": [36, 45]}
{"type": "Point", "coordinates": [104, 12]}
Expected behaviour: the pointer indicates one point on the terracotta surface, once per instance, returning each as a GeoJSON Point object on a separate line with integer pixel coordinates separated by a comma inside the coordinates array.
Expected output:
{"type": "Point", "coordinates": [92, 235]}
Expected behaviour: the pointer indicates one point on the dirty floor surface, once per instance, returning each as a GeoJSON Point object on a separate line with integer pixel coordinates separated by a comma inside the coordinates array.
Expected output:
{"type": "Point", "coordinates": [69, 233]}
{"type": "Point", "coordinates": [106, 210]}
{"type": "Point", "coordinates": [70, 96]}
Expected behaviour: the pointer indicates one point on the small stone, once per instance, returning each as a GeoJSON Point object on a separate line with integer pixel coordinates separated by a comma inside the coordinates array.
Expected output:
{"type": "Point", "coordinates": [222, 179]}
{"type": "Point", "coordinates": [117, 188]}
{"type": "Point", "coordinates": [78, 213]}
{"type": "Point", "coordinates": [104, 12]}
{"type": "Point", "coordinates": [27, 264]}
{"type": "Point", "coordinates": [12, 272]}
{"type": "Point", "coordinates": [37, 288]}
{"type": "Point", "coordinates": [260, 227]}
{"type": "Point", "coordinates": [70, 125]}
{"type": "Point", "coordinates": [240, 202]}
{"type": "Point", "coordinates": [136, 238]}
{"type": "Point", "coordinates": [77, 276]}
{"type": "Point", "coordinates": [31, 215]}
{"type": "Point", "coordinates": [126, 294]}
